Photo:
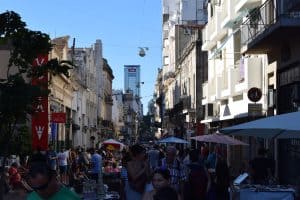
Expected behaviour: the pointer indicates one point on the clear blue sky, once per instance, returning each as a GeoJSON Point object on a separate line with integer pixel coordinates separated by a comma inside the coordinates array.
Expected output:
{"type": "Point", "coordinates": [122, 25]}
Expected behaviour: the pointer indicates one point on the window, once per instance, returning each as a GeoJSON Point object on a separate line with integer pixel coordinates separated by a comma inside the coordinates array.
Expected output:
{"type": "Point", "coordinates": [271, 97]}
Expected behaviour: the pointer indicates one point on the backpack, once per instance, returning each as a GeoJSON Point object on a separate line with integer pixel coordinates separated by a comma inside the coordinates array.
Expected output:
{"type": "Point", "coordinates": [196, 185]}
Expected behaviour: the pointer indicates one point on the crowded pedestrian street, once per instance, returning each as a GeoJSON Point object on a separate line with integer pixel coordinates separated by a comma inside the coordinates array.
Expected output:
{"type": "Point", "coordinates": [150, 100]}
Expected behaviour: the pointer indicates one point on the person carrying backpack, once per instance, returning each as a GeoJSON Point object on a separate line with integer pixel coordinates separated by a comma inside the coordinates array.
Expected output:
{"type": "Point", "coordinates": [197, 181]}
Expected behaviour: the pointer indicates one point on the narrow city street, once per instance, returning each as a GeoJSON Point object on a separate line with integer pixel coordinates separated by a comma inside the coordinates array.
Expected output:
{"type": "Point", "coordinates": [150, 100]}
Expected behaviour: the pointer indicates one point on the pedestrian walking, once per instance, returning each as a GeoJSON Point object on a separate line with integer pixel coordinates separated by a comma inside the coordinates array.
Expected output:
{"type": "Point", "coordinates": [138, 173]}
{"type": "Point", "coordinates": [153, 157]}
{"type": "Point", "coordinates": [52, 157]}
{"type": "Point", "coordinates": [161, 179]}
{"type": "Point", "coordinates": [176, 168]}
{"type": "Point", "coordinates": [43, 180]}
{"type": "Point", "coordinates": [222, 180]}
{"type": "Point", "coordinates": [196, 185]}
{"type": "Point", "coordinates": [96, 164]}
{"type": "Point", "coordinates": [63, 157]}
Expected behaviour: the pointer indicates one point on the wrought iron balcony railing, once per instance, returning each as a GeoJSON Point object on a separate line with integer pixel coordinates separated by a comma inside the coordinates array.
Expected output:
{"type": "Point", "coordinates": [259, 19]}
{"type": "Point", "coordinates": [263, 17]}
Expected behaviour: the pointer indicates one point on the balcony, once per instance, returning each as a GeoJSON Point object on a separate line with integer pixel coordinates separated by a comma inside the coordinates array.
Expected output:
{"type": "Point", "coordinates": [247, 74]}
{"type": "Point", "coordinates": [246, 5]}
{"type": "Point", "coordinates": [223, 84]}
{"type": "Point", "coordinates": [108, 100]}
{"type": "Point", "coordinates": [186, 101]}
{"type": "Point", "coordinates": [267, 24]}
{"type": "Point", "coordinates": [230, 17]}
{"type": "Point", "coordinates": [168, 75]}
{"type": "Point", "coordinates": [212, 89]}
{"type": "Point", "coordinates": [207, 43]}
{"type": "Point", "coordinates": [217, 32]}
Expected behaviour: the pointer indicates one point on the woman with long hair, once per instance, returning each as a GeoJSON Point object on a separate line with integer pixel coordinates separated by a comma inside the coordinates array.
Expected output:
{"type": "Point", "coordinates": [138, 171]}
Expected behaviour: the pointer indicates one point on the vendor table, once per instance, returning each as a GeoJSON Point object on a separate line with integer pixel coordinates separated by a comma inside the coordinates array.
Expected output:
{"type": "Point", "coordinates": [266, 193]}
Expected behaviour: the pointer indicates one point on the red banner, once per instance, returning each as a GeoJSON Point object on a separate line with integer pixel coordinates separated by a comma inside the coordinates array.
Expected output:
{"type": "Point", "coordinates": [39, 120]}
{"type": "Point", "coordinates": [59, 117]}
{"type": "Point", "coordinates": [200, 128]}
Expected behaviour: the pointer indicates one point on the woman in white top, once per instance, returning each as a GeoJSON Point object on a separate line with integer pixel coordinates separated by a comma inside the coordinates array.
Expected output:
{"type": "Point", "coordinates": [63, 157]}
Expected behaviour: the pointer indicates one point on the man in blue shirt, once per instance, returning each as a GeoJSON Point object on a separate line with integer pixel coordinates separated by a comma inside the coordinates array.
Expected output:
{"type": "Point", "coordinates": [96, 162]}
{"type": "Point", "coordinates": [52, 157]}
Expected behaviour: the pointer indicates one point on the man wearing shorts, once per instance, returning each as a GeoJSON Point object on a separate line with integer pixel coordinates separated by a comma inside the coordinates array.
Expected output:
{"type": "Point", "coordinates": [63, 157]}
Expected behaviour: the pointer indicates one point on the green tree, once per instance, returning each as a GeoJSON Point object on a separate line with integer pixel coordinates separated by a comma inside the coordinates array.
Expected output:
{"type": "Point", "coordinates": [16, 91]}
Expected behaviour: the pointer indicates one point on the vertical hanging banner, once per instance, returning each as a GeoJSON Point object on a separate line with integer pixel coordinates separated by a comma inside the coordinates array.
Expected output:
{"type": "Point", "coordinates": [39, 120]}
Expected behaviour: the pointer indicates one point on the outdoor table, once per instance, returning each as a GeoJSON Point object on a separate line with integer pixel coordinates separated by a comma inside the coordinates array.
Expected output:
{"type": "Point", "coordinates": [265, 193]}
{"type": "Point", "coordinates": [112, 180]}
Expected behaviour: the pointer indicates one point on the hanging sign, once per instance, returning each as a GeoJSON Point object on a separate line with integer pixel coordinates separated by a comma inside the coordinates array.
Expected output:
{"type": "Point", "coordinates": [254, 94]}
{"type": "Point", "coordinates": [58, 117]}
{"type": "Point", "coordinates": [39, 120]}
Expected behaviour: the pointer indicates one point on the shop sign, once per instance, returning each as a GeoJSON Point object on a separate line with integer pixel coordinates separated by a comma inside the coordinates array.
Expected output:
{"type": "Point", "coordinates": [254, 109]}
{"type": "Point", "coordinates": [58, 117]}
{"type": "Point", "coordinates": [254, 94]}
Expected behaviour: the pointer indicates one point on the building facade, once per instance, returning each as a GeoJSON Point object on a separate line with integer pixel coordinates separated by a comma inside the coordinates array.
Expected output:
{"type": "Point", "coordinates": [231, 74]}
{"type": "Point", "coordinates": [132, 117]}
{"type": "Point", "coordinates": [107, 128]}
{"type": "Point", "coordinates": [273, 28]}
{"type": "Point", "coordinates": [184, 64]}
{"type": "Point", "coordinates": [88, 97]}
{"type": "Point", "coordinates": [118, 114]}
{"type": "Point", "coordinates": [60, 99]}
{"type": "Point", "coordinates": [132, 82]}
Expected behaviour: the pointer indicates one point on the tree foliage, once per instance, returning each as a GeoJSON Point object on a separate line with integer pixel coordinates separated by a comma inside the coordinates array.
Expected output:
{"type": "Point", "coordinates": [16, 92]}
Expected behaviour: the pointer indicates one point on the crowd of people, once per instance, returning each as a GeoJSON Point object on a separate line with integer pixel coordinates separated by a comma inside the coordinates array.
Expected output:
{"type": "Point", "coordinates": [153, 173]}
{"type": "Point", "coordinates": [163, 174]}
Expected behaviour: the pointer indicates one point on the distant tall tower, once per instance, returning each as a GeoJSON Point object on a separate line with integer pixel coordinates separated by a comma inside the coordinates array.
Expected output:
{"type": "Point", "coordinates": [132, 79]}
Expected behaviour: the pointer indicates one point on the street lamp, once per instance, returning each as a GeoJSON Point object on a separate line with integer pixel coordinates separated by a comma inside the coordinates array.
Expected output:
{"type": "Point", "coordinates": [138, 84]}
{"type": "Point", "coordinates": [142, 51]}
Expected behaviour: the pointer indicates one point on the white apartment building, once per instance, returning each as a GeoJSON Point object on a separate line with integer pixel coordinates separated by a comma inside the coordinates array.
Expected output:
{"type": "Point", "coordinates": [230, 74]}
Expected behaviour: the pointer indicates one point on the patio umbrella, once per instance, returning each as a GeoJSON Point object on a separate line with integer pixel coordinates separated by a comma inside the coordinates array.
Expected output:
{"type": "Point", "coordinates": [283, 126]}
{"type": "Point", "coordinates": [218, 138]}
{"type": "Point", "coordinates": [113, 143]}
{"type": "Point", "coordinates": [173, 139]}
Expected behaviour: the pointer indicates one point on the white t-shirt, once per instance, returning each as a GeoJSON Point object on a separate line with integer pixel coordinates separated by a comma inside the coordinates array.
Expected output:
{"type": "Point", "coordinates": [63, 158]}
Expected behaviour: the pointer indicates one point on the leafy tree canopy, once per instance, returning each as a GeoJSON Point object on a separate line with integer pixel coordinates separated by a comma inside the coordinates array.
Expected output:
{"type": "Point", "coordinates": [16, 91]}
